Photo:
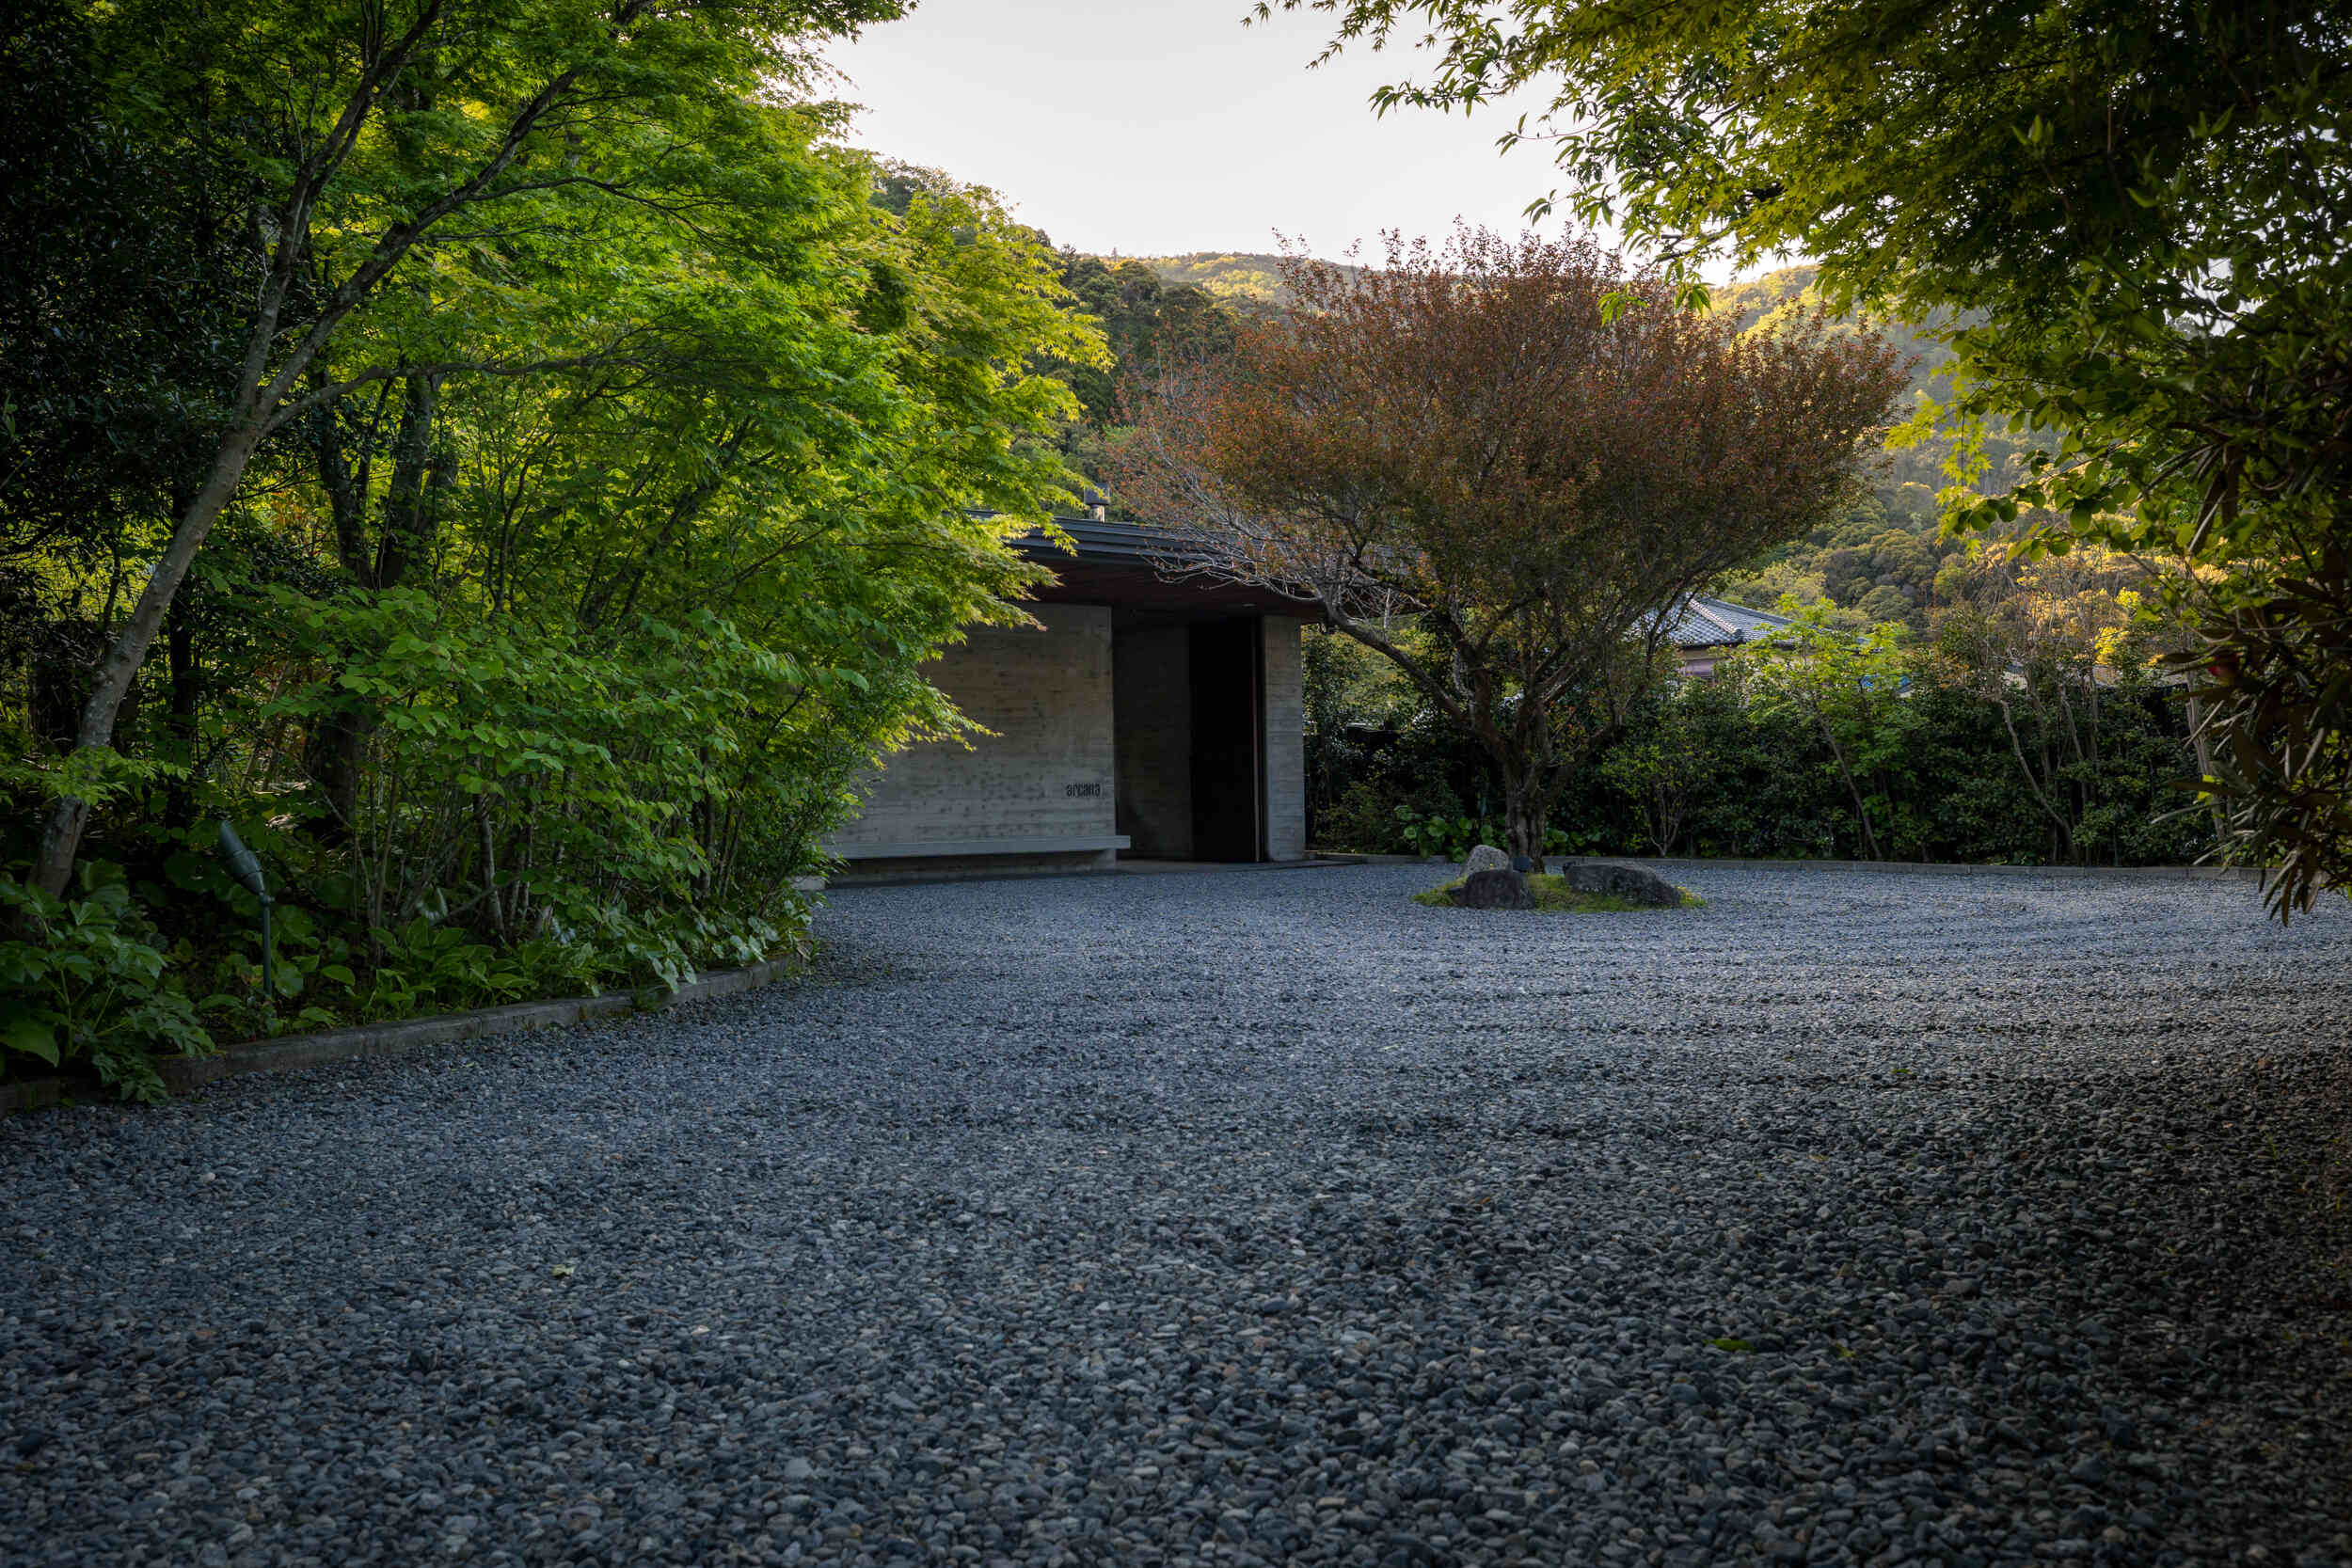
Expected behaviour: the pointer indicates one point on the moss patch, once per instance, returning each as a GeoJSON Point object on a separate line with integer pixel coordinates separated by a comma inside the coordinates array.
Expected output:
{"type": "Point", "coordinates": [1553, 894]}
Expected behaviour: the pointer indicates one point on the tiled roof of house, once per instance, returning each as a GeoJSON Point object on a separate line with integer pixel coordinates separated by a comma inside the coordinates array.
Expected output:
{"type": "Point", "coordinates": [1701, 622]}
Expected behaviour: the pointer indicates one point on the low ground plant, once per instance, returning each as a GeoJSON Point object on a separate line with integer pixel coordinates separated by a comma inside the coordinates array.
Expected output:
{"type": "Point", "coordinates": [1554, 895]}
{"type": "Point", "coordinates": [83, 987]}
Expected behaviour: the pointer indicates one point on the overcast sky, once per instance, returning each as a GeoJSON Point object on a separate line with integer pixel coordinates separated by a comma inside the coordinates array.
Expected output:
{"type": "Point", "coordinates": [1154, 129]}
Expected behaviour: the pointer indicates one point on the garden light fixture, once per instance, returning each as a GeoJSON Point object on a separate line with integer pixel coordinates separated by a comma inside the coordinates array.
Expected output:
{"type": "Point", "coordinates": [246, 866]}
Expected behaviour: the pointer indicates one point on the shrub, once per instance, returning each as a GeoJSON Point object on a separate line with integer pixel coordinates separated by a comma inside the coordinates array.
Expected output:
{"type": "Point", "coordinates": [89, 990]}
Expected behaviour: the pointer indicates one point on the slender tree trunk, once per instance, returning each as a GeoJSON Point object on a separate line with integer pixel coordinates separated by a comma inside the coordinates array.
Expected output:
{"type": "Point", "coordinates": [490, 870]}
{"type": "Point", "coordinates": [1525, 818]}
{"type": "Point", "coordinates": [332, 750]}
{"type": "Point", "coordinates": [2062, 835]}
{"type": "Point", "coordinates": [404, 547]}
{"type": "Point", "coordinates": [180, 723]}
{"type": "Point", "coordinates": [1838, 753]}
{"type": "Point", "coordinates": [406, 544]}
{"type": "Point", "coordinates": [61, 831]}
{"type": "Point", "coordinates": [1666, 807]}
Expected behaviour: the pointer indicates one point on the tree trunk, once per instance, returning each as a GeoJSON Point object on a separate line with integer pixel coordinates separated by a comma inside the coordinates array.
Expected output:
{"type": "Point", "coordinates": [61, 831]}
{"type": "Point", "coordinates": [1526, 816]}
{"type": "Point", "coordinates": [332, 757]}
{"type": "Point", "coordinates": [2061, 834]}
{"type": "Point", "coordinates": [1862, 811]}
{"type": "Point", "coordinates": [406, 546]}
{"type": "Point", "coordinates": [180, 722]}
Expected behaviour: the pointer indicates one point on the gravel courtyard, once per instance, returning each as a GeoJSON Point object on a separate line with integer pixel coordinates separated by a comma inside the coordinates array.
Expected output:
{"type": "Point", "coordinates": [1253, 1217]}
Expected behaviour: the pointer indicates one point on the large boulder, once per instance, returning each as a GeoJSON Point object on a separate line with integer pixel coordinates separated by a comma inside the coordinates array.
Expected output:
{"type": "Point", "coordinates": [1494, 889]}
{"type": "Point", "coordinates": [1485, 858]}
{"type": "Point", "coordinates": [1634, 883]}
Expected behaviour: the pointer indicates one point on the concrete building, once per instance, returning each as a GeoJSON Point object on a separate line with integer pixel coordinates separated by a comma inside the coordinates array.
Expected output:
{"type": "Point", "coordinates": [1145, 719]}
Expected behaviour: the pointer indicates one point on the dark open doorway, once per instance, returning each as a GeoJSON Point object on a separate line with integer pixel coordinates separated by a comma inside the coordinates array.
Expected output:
{"type": "Point", "coordinates": [1228, 784]}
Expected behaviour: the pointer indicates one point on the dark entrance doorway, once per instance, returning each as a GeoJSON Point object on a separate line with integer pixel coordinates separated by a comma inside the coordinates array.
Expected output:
{"type": "Point", "coordinates": [1228, 784]}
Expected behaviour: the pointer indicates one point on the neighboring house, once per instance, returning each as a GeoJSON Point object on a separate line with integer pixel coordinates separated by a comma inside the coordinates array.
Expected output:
{"type": "Point", "coordinates": [1143, 718]}
{"type": "Point", "coordinates": [1705, 629]}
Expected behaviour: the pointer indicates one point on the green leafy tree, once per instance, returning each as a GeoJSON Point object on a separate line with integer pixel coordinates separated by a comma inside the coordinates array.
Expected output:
{"type": "Point", "coordinates": [2131, 215]}
{"type": "Point", "coordinates": [1852, 689]}
{"type": "Point", "coordinates": [1476, 464]}
{"type": "Point", "coordinates": [387, 146]}
{"type": "Point", "coordinates": [2048, 644]}
{"type": "Point", "coordinates": [592, 555]}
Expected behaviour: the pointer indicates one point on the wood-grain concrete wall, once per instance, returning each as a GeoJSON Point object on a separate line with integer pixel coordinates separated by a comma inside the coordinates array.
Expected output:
{"type": "Point", "coordinates": [1046, 775]}
{"type": "Point", "coordinates": [1285, 716]}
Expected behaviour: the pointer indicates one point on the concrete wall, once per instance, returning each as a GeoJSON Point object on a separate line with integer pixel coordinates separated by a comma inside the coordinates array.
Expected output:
{"type": "Point", "coordinates": [1152, 680]}
{"type": "Point", "coordinates": [937, 868]}
{"type": "Point", "coordinates": [1094, 745]}
{"type": "Point", "coordinates": [1284, 742]}
{"type": "Point", "coordinates": [1046, 777]}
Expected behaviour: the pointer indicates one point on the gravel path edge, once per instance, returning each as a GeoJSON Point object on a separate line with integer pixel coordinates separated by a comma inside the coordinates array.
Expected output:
{"type": "Point", "coordinates": [325, 1047]}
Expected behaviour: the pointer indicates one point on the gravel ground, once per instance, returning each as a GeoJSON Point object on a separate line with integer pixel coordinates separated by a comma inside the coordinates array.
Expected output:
{"type": "Point", "coordinates": [1252, 1218]}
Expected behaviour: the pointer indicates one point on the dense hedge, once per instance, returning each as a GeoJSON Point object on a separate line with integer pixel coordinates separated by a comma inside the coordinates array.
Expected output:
{"type": "Point", "coordinates": [1718, 767]}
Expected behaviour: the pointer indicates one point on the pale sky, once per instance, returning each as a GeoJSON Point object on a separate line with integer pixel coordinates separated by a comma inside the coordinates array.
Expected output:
{"type": "Point", "coordinates": [1157, 129]}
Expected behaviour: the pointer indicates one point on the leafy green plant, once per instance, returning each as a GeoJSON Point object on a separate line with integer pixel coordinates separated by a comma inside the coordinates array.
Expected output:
{"type": "Point", "coordinates": [1853, 689]}
{"type": "Point", "coordinates": [1440, 834]}
{"type": "Point", "coordinates": [427, 967]}
{"type": "Point", "coordinates": [91, 991]}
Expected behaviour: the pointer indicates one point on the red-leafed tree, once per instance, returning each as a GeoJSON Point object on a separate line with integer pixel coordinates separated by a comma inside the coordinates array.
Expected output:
{"type": "Point", "coordinates": [1497, 463]}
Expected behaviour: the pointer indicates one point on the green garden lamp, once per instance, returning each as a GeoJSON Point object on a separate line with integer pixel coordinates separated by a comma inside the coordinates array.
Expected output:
{"type": "Point", "coordinates": [246, 866]}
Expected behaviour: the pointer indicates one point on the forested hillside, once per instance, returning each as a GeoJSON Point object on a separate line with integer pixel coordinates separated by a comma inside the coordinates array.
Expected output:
{"type": "Point", "coordinates": [1244, 281]}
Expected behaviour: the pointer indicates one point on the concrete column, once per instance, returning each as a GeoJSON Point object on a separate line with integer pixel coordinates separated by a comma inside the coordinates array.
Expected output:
{"type": "Point", "coordinates": [1283, 745]}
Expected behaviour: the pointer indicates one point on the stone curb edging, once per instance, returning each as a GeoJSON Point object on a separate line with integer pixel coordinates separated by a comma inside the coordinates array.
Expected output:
{"type": "Point", "coordinates": [182, 1073]}
{"type": "Point", "coordinates": [853, 879]}
{"type": "Point", "coordinates": [1914, 868]}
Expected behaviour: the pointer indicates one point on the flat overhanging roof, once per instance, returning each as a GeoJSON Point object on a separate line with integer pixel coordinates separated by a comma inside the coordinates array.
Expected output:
{"type": "Point", "coordinates": [1131, 566]}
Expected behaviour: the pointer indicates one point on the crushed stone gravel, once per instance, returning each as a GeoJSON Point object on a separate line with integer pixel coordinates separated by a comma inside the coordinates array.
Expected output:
{"type": "Point", "coordinates": [1252, 1218]}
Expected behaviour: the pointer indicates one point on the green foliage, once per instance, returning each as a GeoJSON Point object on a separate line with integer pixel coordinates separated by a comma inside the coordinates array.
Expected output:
{"type": "Point", "coordinates": [568, 781]}
{"type": "Point", "coordinates": [1451, 836]}
{"type": "Point", "coordinates": [1664, 763]}
{"type": "Point", "coordinates": [1555, 895]}
{"type": "Point", "coordinates": [88, 990]}
{"type": "Point", "coordinates": [603, 504]}
{"type": "Point", "coordinates": [1148, 325]}
{"type": "Point", "coordinates": [1853, 689]}
{"type": "Point", "coordinates": [1740, 764]}
{"type": "Point", "coordinates": [2273, 677]}
{"type": "Point", "coordinates": [2125, 218]}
